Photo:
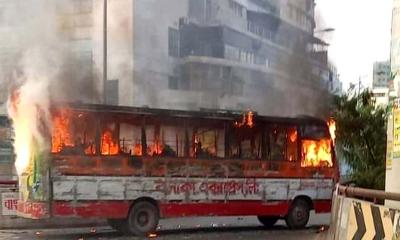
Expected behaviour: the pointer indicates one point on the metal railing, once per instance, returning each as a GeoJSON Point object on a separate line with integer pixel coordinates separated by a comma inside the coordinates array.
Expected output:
{"type": "Point", "coordinates": [367, 193]}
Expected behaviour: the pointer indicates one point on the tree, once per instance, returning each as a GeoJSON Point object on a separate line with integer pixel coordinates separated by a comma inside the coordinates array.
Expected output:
{"type": "Point", "coordinates": [361, 137]}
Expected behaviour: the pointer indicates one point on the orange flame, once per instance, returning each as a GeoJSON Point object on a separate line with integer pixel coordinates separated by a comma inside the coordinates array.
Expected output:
{"type": "Point", "coordinates": [332, 129]}
{"type": "Point", "coordinates": [316, 153]}
{"type": "Point", "coordinates": [293, 136]}
{"type": "Point", "coordinates": [61, 136]}
{"type": "Point", "coordinates": [108, 146]}
{"type": "Point", "coordinates": [137, 150]}
{"type": "Point", "coordinates": [247, 120]}
{"type": "Point", "coordinates": [155, 149]}
{"type": "Point", "coordinates": [29, 119]}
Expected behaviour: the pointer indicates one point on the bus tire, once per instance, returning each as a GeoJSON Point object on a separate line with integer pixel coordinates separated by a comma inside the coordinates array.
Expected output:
{"type": "Point", "coordinates": [267, 221]}
{"type": "Point", "coordinates": [142, 219]}
{"type": "Point", "coordinates": [298, 215]}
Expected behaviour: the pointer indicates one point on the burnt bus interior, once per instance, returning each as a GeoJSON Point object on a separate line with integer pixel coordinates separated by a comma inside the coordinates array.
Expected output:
{"type": "Point", "coordinates": [104, 140]}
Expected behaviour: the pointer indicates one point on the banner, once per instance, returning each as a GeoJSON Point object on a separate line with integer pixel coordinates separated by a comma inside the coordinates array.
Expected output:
{"type": "Point", "coordinates": [396, 134]}
{"type": "Point", "coordinates": [389, 143]}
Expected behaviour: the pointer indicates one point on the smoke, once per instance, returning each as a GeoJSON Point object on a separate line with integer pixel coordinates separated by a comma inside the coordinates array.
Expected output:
{"type": "Point", "coordinates": [45, 70]}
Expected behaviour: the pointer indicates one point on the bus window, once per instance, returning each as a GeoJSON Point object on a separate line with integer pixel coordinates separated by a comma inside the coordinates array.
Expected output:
{"type": "Point", "coordinates": [73, 133]}
{"type": "Point", "coordinates": [153, 140]}
{"type": "Point", "coordinates": [209, 143]}
{"type": "Point", "coordinates": [131, 139]}
{"type": "Point", "coordinates": [316, 146]}
{"type": "Point", "coordinates": [292, 144]}
{"type": "Point", "coordinates": [172, 141]}
{"type": "Point", "coordinates": [245, 143]}
{"type": "Point", "coordinates": [165, 140]}
{"type": "Point", "coordinates": [277, 144]}
{"type": "Point", "coordinates": [109, 142]}
{"type": "Point", "coordinates": [282, 143]}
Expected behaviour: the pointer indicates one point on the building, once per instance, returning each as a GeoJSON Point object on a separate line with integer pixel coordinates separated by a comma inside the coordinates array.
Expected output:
{"type": "Point", "coordinates": [395, 45]}
{"type": "Point", "coordinates": [382, 89]}
{"type": "Point", "coordinates": [392, 184]}
{"type": "Point", "coordinates": [381, 74]}
{"type": "Point", "coordinates": [335, 85]}
{"type": "Point", "coordinates": [231, 54]}
{"type": "Point", "coordinates": [381, 96]}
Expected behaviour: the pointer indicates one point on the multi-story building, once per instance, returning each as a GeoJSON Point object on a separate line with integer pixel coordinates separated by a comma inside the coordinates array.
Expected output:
{"type": "Point", "coordinates": [381, 74]}
{"type": "Point", "coordinates": [335, 86]}
{"type": "Point", "coordinates": [228, 54]}
{"type": "Point", "coordinates": [381, 96]}
{"type": "Point", "coordinates": [395, 46]}
{"type": "Point", "coordinates": [191, 54]}
{"type": "Point", "coordinates": [392, 184]}
{"type": "Point", "coordinates": [381, 83]}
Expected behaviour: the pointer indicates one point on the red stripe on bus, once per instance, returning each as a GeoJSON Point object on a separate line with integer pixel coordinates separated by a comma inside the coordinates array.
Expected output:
{"type": "Point", "coordinates": [322, 206]}
{"type": "Point", "coordinates": [120, 209]}
{"type": "Point", "coordinates": [88, 209]}
{"type": "Point", "coordinates": [232, 208]}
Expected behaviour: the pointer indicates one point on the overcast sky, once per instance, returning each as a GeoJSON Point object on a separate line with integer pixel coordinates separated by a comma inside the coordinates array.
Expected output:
{"type": "Point", "coordinates": [361, 36]}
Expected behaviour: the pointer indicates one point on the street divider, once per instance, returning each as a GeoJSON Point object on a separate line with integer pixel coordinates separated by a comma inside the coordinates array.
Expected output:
{"type": "Point", "coordinates": [356, 219]}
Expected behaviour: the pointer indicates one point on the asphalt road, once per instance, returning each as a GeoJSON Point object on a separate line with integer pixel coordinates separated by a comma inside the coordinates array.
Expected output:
{"type": "Point", "coordinates": [222, 228]}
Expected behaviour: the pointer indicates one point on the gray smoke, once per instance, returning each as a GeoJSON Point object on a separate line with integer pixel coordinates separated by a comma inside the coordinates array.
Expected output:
{"type": "Point", "coordinates": [42, 52]}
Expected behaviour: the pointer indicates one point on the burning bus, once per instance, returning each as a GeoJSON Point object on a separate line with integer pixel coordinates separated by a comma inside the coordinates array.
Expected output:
{"type": "Point", "coordinates": [134, 166]}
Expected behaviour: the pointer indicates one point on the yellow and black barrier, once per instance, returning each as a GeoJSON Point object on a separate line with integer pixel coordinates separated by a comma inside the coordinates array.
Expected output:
{"type": "Point", "coordinates": [358, 220]}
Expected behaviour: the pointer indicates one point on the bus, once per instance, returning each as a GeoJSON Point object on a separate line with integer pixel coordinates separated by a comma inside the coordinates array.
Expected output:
{"type": "Point", "coordinates": [133, 166]}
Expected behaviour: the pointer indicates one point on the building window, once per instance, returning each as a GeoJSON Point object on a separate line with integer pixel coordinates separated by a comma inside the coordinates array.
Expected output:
{"type": "Point", "coordinates": [232, 53]}
{"type": "Point", "coordinates": [237, 8]}
{"type": "Point", "coordinates": [173, 42]}
{"type": "Point", "coordinates": [172, 82]}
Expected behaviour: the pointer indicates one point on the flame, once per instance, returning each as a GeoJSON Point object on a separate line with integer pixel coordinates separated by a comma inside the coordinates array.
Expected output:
{"type": "Point", "coordinates": [293, 136]}
{"type": "Point", "coordinates": [155, 149]}
{"type": "Point", "coordinates": [137, 150]}
{"type": "Point", "coordinates": [28, 120]}
{"type": "Point", "coordinates": [108, 146]}
{"type": "Point", "coordinates": [332, 129]}
{"type": "Point", "coordinates": [247, 120]}
{"type": "Point", "coordinates": [250, 119]}
{"type": "Point", "coordinates": [61, 136]}
{"type": "Point", "coordinates": [316, 153]}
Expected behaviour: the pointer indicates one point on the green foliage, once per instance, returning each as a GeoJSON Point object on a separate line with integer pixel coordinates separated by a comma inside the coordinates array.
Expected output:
{"type": "Point", "coordinates": [361, 138]}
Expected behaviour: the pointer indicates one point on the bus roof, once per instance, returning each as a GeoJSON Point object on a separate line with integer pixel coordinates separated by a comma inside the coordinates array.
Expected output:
{"type": "Point", "coordinates": [201, 113]}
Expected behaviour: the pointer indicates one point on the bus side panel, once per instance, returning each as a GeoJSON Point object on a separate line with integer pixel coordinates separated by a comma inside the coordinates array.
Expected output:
{"type": "Point", "coordinates": [111, 197]}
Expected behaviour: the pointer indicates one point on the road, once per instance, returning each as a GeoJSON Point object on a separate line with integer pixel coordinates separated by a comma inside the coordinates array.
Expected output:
{"type": "Point", "coordinates": [222, 228]}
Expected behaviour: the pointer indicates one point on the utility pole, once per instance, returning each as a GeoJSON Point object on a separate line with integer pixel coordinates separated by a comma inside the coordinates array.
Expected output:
{"type": "Point", "coordinates": [359, 85]}
{"type": "Point", "coordinates": [105, 52]}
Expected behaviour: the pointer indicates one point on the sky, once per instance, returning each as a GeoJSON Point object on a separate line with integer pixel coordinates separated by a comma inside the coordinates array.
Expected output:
{"type": "Point", "coordinates": [361, 36]}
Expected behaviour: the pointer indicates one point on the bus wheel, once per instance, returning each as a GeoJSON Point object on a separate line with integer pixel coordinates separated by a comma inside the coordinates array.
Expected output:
{"type": "Point", "coordinates": [298, 214]}
{"type": "Point", "coordinates": [117, 224]}
{"type": "Point", "coordinates": [143, 219]}
{"type": "Point", "coordinates": [268, 221]}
